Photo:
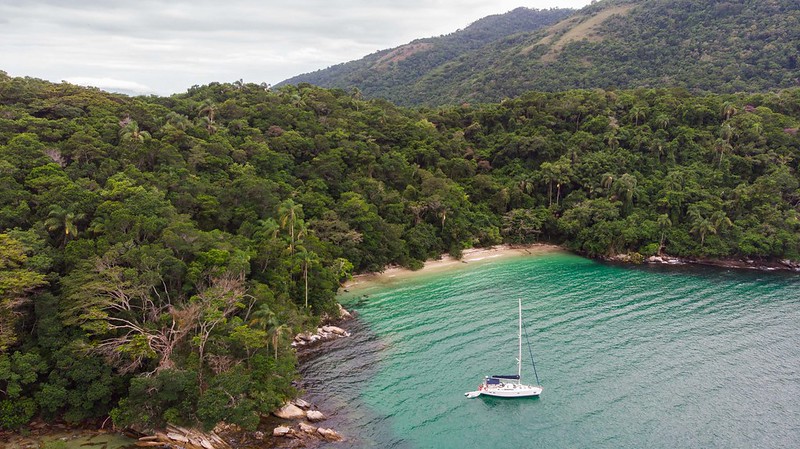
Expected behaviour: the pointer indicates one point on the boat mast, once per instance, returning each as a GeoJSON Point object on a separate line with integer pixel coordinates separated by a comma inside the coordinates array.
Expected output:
{"type": "Point", "coordinates": [519, 354]}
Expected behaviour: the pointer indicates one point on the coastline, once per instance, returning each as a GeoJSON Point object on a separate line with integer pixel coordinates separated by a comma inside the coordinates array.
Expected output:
{"type": "Point", "coordinates": [731, 263]}
{"type": "Point", "coordinates": [447, 262]}
{"type": "Point", "coordinates": [80, 435]}
{"type": "Point", "coordinates": [394, 274]}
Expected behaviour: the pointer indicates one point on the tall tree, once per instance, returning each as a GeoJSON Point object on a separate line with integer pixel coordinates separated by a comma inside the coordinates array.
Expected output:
{"type": "Point", "coordinates": [17, 283]}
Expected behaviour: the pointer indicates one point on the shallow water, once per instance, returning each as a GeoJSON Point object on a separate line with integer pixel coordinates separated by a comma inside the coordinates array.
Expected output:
{"type": "Point", "coordinates": [629, 357]}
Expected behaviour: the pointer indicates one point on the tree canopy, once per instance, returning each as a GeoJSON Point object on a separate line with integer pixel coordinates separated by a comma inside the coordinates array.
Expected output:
{"type": "Point", "coordinates": [157, 253]}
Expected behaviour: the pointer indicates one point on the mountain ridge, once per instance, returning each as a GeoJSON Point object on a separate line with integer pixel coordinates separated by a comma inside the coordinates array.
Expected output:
{"type": "Point", "coordinates": [721, 46]}
{"type": "Point", "coordinates": [370, 73]}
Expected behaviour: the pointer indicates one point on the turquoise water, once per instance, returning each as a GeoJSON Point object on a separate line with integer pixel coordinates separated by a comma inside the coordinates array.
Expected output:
{"type": "Point", "coordinates": [629, 357]}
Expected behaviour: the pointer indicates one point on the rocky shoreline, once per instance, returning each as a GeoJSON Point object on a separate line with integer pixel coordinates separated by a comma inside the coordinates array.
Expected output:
{"type": "Point", "coordinates": [324, 333]}
{"type": "Point", "coordinates": [294, 428]}
{"type": "Point", "coordinates": [748, 264]}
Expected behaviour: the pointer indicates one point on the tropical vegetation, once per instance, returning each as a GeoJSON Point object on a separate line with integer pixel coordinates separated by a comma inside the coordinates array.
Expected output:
{"type": "Point", "coordinates": [157, 253]}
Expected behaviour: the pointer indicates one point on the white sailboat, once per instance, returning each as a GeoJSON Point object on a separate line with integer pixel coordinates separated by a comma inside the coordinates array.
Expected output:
{"type": "Point", "coordinates": [509, 386]}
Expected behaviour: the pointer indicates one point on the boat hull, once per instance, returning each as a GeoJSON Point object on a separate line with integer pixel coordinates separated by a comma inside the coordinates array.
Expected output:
{"type": "Point", "coordinates": [513, 391]}
{"type": "Point", "coordinates": [507, 391]}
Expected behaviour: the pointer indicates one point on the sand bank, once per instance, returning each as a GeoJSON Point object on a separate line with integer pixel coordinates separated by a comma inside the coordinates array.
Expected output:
{"type": "Point", "coordinates": [473, 255]}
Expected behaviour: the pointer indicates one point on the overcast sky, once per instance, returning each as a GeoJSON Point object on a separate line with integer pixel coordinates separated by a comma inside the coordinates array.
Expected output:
{"type": "Point", "coordinates": [166, 46]}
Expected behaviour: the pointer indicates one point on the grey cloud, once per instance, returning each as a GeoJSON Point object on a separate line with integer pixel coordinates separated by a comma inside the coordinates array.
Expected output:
{"type": "Point", "coordinates": [168, 46]}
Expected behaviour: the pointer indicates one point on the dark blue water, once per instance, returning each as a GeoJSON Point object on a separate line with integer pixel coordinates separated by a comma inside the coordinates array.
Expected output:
{"type": "Point", "coordinates": [629, 357]}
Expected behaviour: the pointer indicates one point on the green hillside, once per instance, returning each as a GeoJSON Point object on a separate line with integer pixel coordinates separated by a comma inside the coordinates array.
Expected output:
{"type": "Point", "coordinates": [391, 73]}
{"type": "Point", "coordinates": [157, 254]}
{"type": "Point", "coordinates": [714, 46]}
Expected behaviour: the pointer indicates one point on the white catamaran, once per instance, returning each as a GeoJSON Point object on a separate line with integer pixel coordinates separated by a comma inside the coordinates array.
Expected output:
{"type": "Point", "coordinates": [509, 386]}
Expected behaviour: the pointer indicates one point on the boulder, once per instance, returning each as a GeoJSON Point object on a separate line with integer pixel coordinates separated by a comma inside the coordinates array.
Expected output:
{"type": "Point", "coordinates": [334, 330]}
{"type": "Point", "coordinates": [258, 435]}
{"type": "Point", "coordinates": [307, 428]}
{"type": "Point", "coordinates": [281, 431]}
{"type": "Point", "coordinates": [290, 411]}
{"type": "Point", "coordinates": [305, 336]}
{"type": "Point", "coordinates": [329, 434]}
{"type": "Point", "coordinates": [315, 415]}
{"type": "Point", "coordinates": [301, 403]}
{"type": "Point", "coordinates": [344, 314]}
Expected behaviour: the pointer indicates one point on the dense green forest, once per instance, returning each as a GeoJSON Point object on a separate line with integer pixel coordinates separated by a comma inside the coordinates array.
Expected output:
{"type": "Point", "coordinates": [157, 254]}
{"type": "Point", "coordinates": [719, 46]}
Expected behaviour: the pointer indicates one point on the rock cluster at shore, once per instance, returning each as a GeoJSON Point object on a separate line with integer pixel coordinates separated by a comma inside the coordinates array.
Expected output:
{"type": "Point", "coordinates": [298, 410]}
{"type": "Point", "coordinates": [301, 432]}
{"type": "Point", "coordinates": [667, 260]}
{"type": "Point", "coordinates": [323, 333]}
{"type": "Point", "coordinates": [764, 265]}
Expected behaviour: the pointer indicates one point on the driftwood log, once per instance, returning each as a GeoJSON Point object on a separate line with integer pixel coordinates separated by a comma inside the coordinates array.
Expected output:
{"type": "Point", "coordinates": [179, 437]}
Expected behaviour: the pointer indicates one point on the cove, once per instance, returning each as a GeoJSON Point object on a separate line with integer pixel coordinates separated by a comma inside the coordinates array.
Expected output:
{"type": "Point", "coordinates": [630, 357]}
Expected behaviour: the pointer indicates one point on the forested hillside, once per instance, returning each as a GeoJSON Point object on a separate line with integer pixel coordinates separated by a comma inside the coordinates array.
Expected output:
{"type": "Point", "coordinates": [392, 74]}
{"type": "Point", "coordinates": [721, 46]}
{"type": "Point", "coordinates": [156, 254]}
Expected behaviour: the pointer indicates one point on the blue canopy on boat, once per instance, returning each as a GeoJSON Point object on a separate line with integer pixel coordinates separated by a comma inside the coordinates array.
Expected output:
{"type": "Point", "coordinates": [506, 377]}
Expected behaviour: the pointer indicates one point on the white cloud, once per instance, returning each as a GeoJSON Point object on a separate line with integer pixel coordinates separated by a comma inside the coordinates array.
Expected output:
{"type": "Point", "coordinates": [165, 47]}
{"type": "Point", "coordinates": [111, 84]}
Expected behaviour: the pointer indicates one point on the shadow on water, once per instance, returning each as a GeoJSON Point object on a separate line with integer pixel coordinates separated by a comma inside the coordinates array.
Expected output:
{"type": "Point", "coordinates": [506, 403]}
{"type": "Point", "coordinates": [334, 375]}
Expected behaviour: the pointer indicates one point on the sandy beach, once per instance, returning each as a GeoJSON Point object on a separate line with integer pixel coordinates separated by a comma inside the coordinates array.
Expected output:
{"type": "Point", "coordinates": [472, 255]}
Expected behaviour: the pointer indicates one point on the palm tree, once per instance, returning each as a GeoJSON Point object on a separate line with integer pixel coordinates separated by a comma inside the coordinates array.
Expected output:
{"type": "Point", "coordinates": [657, 147]}
{"type": "Point", "coordinates": [260, 318]}
{"type": "Point", "coordinates": [307, 258]}
{"type": "Point", "coordinates": [207, 108]}
{"type": "Point", "coordinates": [209, 124]}
{"type": "Point", "coordinates": [557, 173]}
{"type": "Point", "coordinates": [662, 120]}
{"type": "Point", "coordinates": [663, 223]}
{"type": "Point", "coordinates": [625, 189]}
{"type": "Point", "coordinates": [291, 215]}
{"type": "Point", "coordinates": [611, 139]}
{"type": "Point", "coordinates": [726, 132]}
{"type": "Point", "coordinates": [720, 220]}
{"type": "Point", "coordinates": [178, 121]}
{"type": "Point", "coordinates": [702, 226]}
{"type": "Point", "coordinates": [728, 110]}
{"type": "Point", "coordinates": [721, 146]}
{"type": "Point", "coordinates": [527, 185]}
{"type": "Point", "coordinates": [276, 330]}
{"type": "Point", "coordinates": [638, 113]}
{"type": "Point", "coordinates": [607, 180]}
{"type": "Point", "coordinates": [563, 179]}
{"type": "Point", "coordinates": [207, 111]}
{"type": "Point", "coordinates": [550, 176]}
{"type": "Point", "coordinates": [131, 133]}
{"type": "Point", "coordinates": [59, 218]}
